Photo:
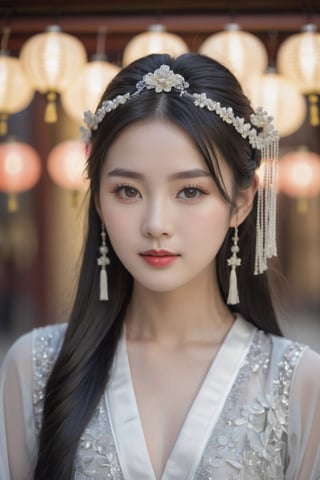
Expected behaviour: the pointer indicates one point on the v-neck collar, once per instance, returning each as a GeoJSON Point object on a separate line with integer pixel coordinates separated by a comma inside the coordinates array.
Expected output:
{"type": "Point", "coordinates": [200, 420]}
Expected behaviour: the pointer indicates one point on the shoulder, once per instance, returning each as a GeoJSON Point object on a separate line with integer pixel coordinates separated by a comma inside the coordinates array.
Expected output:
{"type": "Point", "coordinates": [294, 364]}
{"type": "Point", "coordinates": [44, 340]}
{"type": "Point", "coordinates": [273, 346]}
{"type": "Point", "coordinates": [46, 344]}
{"type": "Point", "coordinates": [292, 350]}
{"type": "Point", "coordinates": [278, 346]}
{"type": "Point", "coordinates": [308, 371]}
{"type": "Point", "coordinates": [279, 355]}
{"type": "Point", "coordinates": [299, 354]}
{"type": "Point", "coordinates": [47, 341]}
{"type": "Point", "coordinates": [293, 361]}
{"type": "Point", "coordinates": [304, 402]}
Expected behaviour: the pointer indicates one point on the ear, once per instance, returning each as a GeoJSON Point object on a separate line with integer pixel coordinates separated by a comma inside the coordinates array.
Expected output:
{"type": "Point", "coordinates": [244, 203]}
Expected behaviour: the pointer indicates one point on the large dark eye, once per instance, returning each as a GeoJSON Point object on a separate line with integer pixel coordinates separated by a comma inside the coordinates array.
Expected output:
{"type": "Point", "coordinates": [191, 192]}
{"type": "Point", "coordinates": [130, 192]}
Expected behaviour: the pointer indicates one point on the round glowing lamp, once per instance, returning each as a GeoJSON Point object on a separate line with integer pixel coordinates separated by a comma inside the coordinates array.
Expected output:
{"type": "Point", "coordinates": [298, 59]}
{"type": "Point", "coordinates": [15, 90]}
{"type": "Point", "coordinates": [299, 176]}
{"type": "Point", "coordinates": [280, 98]}
{"type": "Point", "coordinates": [67, 166]}
{"type": "Point", "coordinates": [51, 61]}
{"type": "Point", "coordinates": [155, 40]}
{"type": "Point", "coordinates": [85, 91]}
{"type": "Point", "coordinates": [241, 52]}
{"type": "Point", "coordinates": [20, 169]}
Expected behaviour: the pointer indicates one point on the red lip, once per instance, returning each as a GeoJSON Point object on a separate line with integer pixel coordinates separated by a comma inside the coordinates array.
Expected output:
{"type": "Point", "coordinates": [158, 253]}
{"type": "Point", "coordinates": [159, 258]}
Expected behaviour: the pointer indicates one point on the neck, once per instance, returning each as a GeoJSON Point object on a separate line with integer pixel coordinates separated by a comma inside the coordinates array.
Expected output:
{"type": "Point", "coordinates": [195, 312]}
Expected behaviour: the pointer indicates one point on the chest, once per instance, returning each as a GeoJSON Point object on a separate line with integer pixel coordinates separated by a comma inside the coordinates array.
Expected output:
{"type": "Point", "coordinates": [166, 382]}
{"type": "Point", "coordinates": [243, 437]}
{"type": "Point", "coordinates": [236, 426]}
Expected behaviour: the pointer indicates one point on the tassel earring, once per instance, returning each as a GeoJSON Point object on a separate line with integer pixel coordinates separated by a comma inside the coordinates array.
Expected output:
{"type": "Point", "coordinates": [103, 261]}
{"type": "Point", "coordinates": [234, 261]}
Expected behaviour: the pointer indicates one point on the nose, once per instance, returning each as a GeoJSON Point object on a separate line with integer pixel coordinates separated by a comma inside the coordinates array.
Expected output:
{"type": "Point", "coordinates": [157, 220]}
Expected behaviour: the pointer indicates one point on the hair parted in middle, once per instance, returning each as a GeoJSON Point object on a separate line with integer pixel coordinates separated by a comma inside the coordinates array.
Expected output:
{"type": "Point", "coordinates": [83, 366]}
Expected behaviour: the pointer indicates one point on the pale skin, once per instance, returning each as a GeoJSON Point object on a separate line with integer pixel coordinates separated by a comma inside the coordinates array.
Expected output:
{"type": "Point", "coordinates": [156, 193]}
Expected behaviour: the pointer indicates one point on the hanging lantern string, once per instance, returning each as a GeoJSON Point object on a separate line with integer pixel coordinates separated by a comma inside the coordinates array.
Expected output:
{"type": "Point", "coordinates": [12, 202]}
{"type": "Point", "coordinates": [314, 109]}
{"type": "Point", "coordinates": [3, 124]}
{"type": "Point", "coordinates": [298, 59]}
{"type": "Point", "coordinates": [273, 42]}
{"type": "Point", "coordinates": [3, 51]}
{"type": "Point", "coordinates": [5, 39]}
{"type": "Point", "coordinates": [313, 98]}
{"type": "Point", "coordinates": [101, 42]}
{"type": "Point", "coordinates": [50, 114]}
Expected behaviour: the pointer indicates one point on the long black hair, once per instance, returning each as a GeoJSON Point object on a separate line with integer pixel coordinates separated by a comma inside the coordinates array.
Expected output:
{"type": "Point", "coordinates": [82, 369]}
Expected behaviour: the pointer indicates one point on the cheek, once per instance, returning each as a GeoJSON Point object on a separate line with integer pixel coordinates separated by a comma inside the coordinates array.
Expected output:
{"type": "Point", "coordinates": [212, 218]}
{"type": "Point", "coordinates": [120, 227]}
{"type": "Point", "coordinates": [206, 232]}
{"type": "Point", "coordinates": [117, 230]}
{"type": "Point", "coordinates": [114, 222]}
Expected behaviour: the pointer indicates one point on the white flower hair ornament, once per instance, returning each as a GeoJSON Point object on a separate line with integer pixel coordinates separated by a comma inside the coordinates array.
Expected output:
{"type": "Point", "coordinates": [259, 132]}
{"type": "Point", "coordinates": [165, 80]}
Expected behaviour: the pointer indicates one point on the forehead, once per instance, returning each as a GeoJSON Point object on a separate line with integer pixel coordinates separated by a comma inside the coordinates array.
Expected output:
{"type": "Point", "coordinates": [154, 143]}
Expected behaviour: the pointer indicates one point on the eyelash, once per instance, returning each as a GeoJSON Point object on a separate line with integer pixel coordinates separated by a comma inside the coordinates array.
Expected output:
{"type": "Point", "coordinates": [200, 192]}
{"type": "Point", "coordinates": [120, 189]}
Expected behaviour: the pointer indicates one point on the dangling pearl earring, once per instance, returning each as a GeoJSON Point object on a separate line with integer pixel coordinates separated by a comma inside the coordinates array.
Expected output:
{"type": "Point", "coordinates": [234, 261]}
{"type": "Point", "coordinates": [103, 261]}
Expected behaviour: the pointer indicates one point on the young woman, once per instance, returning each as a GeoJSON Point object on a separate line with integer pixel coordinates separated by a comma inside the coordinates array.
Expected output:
{"type": "Point", "coordinates": [172, 365]}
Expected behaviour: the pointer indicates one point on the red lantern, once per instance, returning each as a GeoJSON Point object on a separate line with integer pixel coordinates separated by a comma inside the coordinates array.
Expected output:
{"type": "Point", "coordinates": [67, 165]}
{"type": "Point", "coordinates": [20, 169]}
{"type": "Point", "coordinates": [299, 175]}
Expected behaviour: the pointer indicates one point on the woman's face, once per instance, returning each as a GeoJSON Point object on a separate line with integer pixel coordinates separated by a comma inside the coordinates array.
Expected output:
{"type": "Point", "coordinates": [162, 210]}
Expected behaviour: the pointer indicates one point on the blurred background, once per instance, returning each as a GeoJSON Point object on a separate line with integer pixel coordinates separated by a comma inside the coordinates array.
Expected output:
{"type": "Point", "coordinates": [56, 59]}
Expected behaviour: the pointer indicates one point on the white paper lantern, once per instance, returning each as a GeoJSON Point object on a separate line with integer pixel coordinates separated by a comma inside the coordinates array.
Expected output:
{"type": "Point", "coordinates": [51, 61]}
{"type": "Point", "coordinates": [155, 40]}
{"type": "Point", "coordinates": [280, 98]}
{"type": "Point", "coordinates": [241, 52]}
{"type": "Point", "coordinates": [298, 60]}
{"type": "Point", "coordinates": [15, 90]}
{"type": "Point", "coordinates": [87, 88]}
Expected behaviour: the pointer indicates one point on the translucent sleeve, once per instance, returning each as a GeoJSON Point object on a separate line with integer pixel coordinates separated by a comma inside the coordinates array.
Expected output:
{"type": "Point", "coordinates": [304, 420]}
{"type": "Point", "coordinates": [17, 429]}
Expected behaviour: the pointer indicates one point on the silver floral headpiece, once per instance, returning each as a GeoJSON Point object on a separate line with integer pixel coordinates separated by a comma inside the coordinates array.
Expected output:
{"type": "Point", "coordinates": [165, 80]}
{"type": "Point", "coordinates": [259, 132]}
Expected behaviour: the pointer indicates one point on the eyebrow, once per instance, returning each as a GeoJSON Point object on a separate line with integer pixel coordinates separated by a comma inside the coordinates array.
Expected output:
{"type": "Point", "coordinates": [194, 173]}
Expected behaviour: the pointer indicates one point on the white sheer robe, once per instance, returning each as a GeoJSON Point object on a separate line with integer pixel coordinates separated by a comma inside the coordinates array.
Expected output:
{"type": "Point", "coordinates": [256, 415]}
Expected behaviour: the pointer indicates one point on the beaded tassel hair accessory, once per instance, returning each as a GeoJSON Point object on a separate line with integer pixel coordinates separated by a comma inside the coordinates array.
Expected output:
{"type": "Point", "coordinates": [233, 262]}
{"type": "Point", "coordinates": [103, 261]}
{"type": "Point", "coordinates": [258, 130]}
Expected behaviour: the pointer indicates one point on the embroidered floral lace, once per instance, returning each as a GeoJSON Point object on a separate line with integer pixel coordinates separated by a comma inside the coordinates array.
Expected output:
{"type": "Point", "coordinates": [248, 441]}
